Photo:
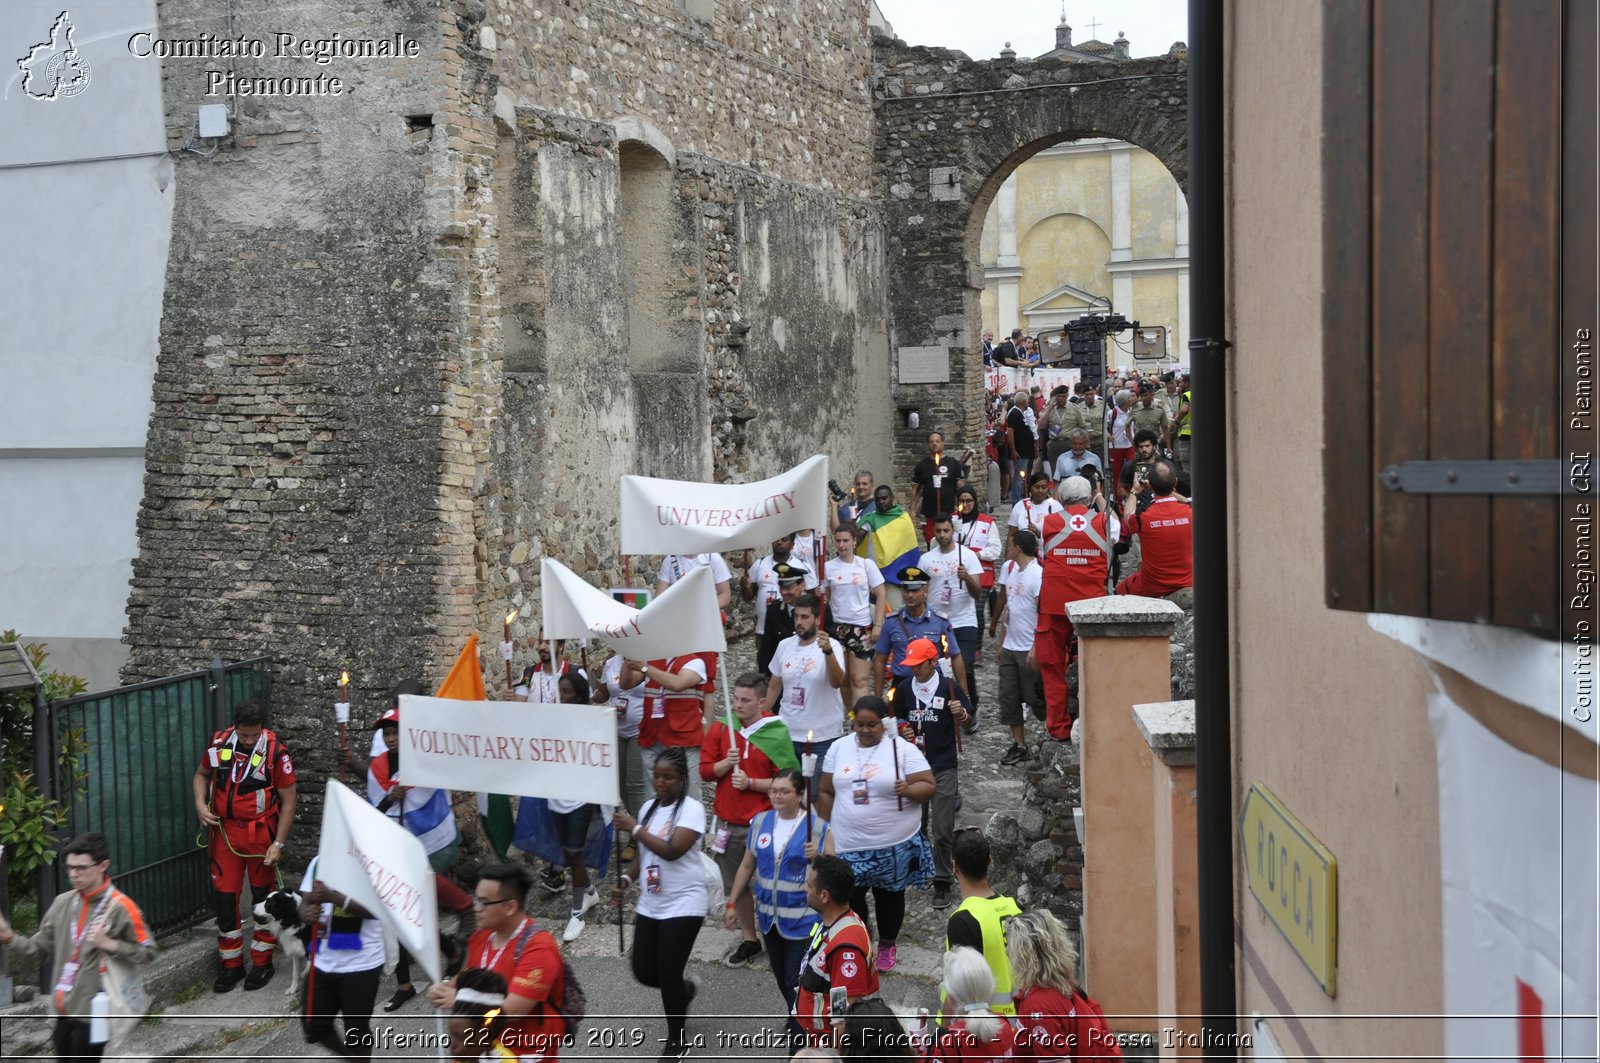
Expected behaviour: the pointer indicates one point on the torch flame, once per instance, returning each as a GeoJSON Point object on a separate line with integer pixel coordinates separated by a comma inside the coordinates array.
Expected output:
{"type": "Point", "coordinates": [344, 679]}
{"type": "Point", "coordinates": [511, 616]}
{"type": "Point", "coordinates": [808, 736]}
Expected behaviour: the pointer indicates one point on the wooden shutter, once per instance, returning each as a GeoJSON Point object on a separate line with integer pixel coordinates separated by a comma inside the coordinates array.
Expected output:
{"type": "Point", "coordinates": [1443, 328]}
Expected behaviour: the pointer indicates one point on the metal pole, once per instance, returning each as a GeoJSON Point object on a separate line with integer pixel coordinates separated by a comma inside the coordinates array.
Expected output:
{"type": "Point", "coordinates": [1213, 745]}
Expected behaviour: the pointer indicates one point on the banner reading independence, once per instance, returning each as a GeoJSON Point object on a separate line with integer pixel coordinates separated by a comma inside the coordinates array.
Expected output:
{"type": "Point", "coordinates": [682, 517]}
{"type": "Point", "coordinates": [382, 867]}
{"type": "Point", "coordinates": [685, 619]}
{"type": "Point", "coordinates": [510, 747]}
{"type": "Point", "coordinates": [1517, 865]}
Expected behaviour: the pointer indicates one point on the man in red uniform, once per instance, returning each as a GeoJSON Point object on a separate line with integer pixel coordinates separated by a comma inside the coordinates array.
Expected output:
{"type": "Point", "coordinates": [743, 765]}
{"type": "Point", "coordinates": [513, 946]}
{"type": "Point", "coordinates": [1166, 546]}
{"type": "Point", "coordinates": [1075, 552]}
{"type": "Point", "coordinates": [676, 693]}
{"type": "Point", "coordinates": [839, 956]}
{"type": "Point", "coordinates": [244, 792]}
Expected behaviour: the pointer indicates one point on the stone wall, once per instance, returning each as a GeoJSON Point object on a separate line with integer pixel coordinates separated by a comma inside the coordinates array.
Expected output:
{"type": "Point", "coordinates": [781, 88]}
{"type": "Point", "coordinates": [307, 493]}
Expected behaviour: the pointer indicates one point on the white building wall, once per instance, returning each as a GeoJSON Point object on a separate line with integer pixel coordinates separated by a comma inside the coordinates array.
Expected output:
{"type": "Point", "coordinates": [86, 216]}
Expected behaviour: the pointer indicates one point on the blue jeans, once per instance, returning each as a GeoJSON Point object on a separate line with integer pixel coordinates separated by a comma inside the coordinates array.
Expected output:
{"type": "Point", "coordinates": [1019, 478]}
{"type": "Point", "coordinates": [820, 749]}
{"type": "Point", "coordinates": [784, 956]}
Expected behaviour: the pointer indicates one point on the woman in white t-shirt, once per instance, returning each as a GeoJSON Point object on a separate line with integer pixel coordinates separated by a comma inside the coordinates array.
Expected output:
{"type": "Point", "coordinates": [857, 602]}
{"type": "Point", "coordinates": [672, 890]}
{"type": "Point", "coordinates": [874, 784]}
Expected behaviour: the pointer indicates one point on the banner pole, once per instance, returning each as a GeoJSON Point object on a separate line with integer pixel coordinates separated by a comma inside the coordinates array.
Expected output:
{"type": "Point", "coordinates": [616, 839]}
{"type": "Point", "coordinates": [444, 1034]}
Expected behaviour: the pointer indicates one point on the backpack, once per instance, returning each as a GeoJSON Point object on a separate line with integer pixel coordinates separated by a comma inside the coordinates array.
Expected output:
{"type": "Point", "coordinates": [1091, 1036]}
{"type": "Point", "coordinates": [574, 1004]}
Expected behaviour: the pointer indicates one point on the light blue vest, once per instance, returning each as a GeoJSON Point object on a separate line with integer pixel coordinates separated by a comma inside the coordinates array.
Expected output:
{"type": "Point", "coordinates": [779, 884]}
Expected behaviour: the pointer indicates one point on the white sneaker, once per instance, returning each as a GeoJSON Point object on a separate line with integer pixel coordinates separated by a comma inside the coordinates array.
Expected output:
{"type": "Point", "coordinates": [590, 899]}
{"type": "Point", "coordinates": [574, 928]}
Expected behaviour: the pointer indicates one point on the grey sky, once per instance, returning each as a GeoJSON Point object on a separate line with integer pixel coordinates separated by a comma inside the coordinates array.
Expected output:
{"type": "Point", "coordinates": [981, 27]}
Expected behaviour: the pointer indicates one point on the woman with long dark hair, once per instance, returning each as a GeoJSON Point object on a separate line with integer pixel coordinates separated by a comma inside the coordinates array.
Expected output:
{"type": "Point", "coordinates": [672, 891]}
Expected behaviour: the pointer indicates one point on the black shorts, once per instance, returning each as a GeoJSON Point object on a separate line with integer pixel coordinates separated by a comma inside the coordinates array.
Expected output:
{"type": "Point", "coordinates": [853, 639]}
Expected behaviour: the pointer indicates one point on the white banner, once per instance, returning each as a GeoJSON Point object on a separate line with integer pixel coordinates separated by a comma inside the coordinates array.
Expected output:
{"type": "Point", "coordinates": [1517, 864]}
{"type": "Point", "coordinates": [382, 867]}
{"type": "Point", "coordinates": [685, 619]}
{"type": "Point", "coordinates": [510, 747]}
{"type": "Point", "coordinates": [1011, 380]}
{"type": "Point", "coordinates": [680, 517]}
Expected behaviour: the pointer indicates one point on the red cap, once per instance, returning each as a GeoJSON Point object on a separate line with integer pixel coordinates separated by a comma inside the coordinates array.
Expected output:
{"type": "Point", "coordinates": [918, 651]}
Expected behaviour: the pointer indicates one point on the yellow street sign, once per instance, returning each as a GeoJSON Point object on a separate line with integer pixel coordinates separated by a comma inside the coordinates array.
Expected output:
{"type": "Point", "coordinates": [1295, 878]}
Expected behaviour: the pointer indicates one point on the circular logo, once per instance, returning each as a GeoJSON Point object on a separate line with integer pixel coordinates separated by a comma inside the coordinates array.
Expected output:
{"type": "Point", "coordinates": [67, 74]}
{"type": "Point", "coordinates": [764, 841]}
{"type": "Point", "coordinates": [848, 968]}
{"type": "Point", "coordinates": [1078, 522]}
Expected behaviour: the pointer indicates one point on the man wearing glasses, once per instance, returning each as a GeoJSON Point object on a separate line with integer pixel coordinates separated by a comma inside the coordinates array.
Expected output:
{"type": "Point", "coordinates": [508, 942]}
{"type": "Point", "coordinates": [91, 923]}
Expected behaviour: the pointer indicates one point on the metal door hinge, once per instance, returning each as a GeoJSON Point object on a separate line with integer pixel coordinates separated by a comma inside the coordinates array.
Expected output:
{"type": "Point", "coordinates": [1527, 478]}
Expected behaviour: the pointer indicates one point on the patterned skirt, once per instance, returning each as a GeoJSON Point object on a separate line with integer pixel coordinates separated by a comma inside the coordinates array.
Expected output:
{"type": "Point", "coordinates": [894, 867]}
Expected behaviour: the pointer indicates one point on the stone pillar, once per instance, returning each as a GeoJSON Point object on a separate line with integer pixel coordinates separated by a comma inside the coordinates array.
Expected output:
{"type": "Point", "coordinates": [1124, 659]}
{"type": "Point", "coordinates": [1168, 729]}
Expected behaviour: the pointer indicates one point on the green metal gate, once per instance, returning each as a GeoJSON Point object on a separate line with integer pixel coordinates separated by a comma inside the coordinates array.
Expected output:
{"type": "Point", "coordinates": [137, 748]}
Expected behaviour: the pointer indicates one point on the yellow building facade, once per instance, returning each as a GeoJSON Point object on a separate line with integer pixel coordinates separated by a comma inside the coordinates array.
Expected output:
{"type": "Point", "coordinates": [1090, 226]}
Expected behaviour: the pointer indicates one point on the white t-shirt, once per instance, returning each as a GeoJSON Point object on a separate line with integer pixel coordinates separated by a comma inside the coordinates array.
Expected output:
{"type": "Point", "coordinates": [630, 701]}
{"type": "Point", "coordinates": [947, 595]}
{"type": "Point", "coordinates": [808, 702]}
{"type": "Point", "coordinates": [766, 581]}
{"type": "Point", "coordinates": [878, 823]}
{"type": "Point", "coordinates": [343, 961]}
{"type": "Point", "coordinates": [676, 566]}
{"type": "Point", "coordinates": [1022, 604]}
{"type": "Point", "coordinates": [850, 587]}
{"type": "Point", "coordinates": [1030, 514]}
{"type": "Point", "coordinates": [683, 887]}
{"type": "Point", "coordinates": [1117, 428]}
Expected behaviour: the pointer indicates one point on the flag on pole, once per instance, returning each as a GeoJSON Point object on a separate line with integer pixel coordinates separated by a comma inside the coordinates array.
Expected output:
{"type": "Point", "coordinates": [685, 619]}
{"type": "Point", "coordinates": [891, 540]}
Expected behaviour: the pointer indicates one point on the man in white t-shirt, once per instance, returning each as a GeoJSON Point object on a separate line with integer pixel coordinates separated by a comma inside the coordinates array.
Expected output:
{"type": "Point", "coordinates": [1017, 614]}
{"type": "Point", "coordinates": [807, 672]}
{"type": "Point", "coordinates": [759, 583]}
{"type": "Point", "coordinates": [955, 576]}
{"type": "Point", "coordinates": [1031, 511]}
{"type": "Point", "coordinates": [628, 702]}
{"type": "Point", "coordinates": [857, 602]}
{"type": "Point", "coordinates": [349, 966]}
{"type": "Point", "coordinates": [676, 566]}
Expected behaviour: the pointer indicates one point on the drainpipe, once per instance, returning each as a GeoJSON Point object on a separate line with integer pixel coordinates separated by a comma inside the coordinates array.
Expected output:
{"type": "Point", "coordinates": [1209, 456]}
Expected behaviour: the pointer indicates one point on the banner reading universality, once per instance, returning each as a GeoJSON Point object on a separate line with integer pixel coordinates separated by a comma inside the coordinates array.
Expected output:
{"type": "Point", "coordinates": [681, 517]}
{"type": "Point", "coordinates": [685, 619]}
{"type": "Point", "coordinates": [382, 867]}
{"type": "Point", "coordinates": [510, 747]}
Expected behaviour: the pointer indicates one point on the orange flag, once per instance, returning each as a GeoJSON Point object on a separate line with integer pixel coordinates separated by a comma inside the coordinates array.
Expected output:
{"type": "Point", "coordinates": [465, 681]}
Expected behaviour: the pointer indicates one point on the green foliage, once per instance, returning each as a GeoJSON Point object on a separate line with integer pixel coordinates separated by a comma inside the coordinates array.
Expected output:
{"type": "Point", "coordinates": [27, 817]}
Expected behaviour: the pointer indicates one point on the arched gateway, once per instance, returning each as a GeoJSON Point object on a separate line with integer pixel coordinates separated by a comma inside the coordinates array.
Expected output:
{"type": "Point", "coordinates": [949, 132]}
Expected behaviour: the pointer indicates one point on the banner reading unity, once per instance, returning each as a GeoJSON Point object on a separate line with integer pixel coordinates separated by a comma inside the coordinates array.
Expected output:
{"type": "Point", "coordinates": [685, 619]}
{"type": "Point", "coordinates": [382, 867]}
{"type": "Point", "coordinates": [682, 517]}
{"type": "Point", "coordinates": [510, 747]}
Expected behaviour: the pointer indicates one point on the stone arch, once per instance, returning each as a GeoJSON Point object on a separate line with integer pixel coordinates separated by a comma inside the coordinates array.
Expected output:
{"type": "Point", "coordinates": [949, 131]}
{"type": "Point", "coordinates": [630, 127]}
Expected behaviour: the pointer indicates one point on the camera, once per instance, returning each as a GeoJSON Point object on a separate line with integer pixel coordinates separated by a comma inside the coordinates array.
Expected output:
{"type": "Point", "coordinates": [836, 491]}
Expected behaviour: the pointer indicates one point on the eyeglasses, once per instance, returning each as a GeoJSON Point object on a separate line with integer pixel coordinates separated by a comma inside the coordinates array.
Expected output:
{"type": "Point", "coordinates": [481, 903]}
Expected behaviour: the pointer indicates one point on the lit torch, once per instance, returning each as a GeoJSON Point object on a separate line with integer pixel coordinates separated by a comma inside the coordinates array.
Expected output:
{"type": "Point", "coordinates": [341, 716]}
{"type": "Point", "coordinates": [506, 651]}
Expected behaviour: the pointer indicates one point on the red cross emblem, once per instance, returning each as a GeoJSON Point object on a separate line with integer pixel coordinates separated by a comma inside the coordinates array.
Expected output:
{"type": "Point", "coordinates": [1078, 522]}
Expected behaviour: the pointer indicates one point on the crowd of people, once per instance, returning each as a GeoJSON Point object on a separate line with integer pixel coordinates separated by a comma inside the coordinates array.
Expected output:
{"type": "Point", "coordinates": [824, 801]}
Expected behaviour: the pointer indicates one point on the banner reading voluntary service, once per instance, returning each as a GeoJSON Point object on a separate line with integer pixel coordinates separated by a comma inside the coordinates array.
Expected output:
{"type": "Point", "coordinates": [685, 619]}
{"type": "Point", "coordinates": [382, 867]}
{"type": "Point", "coordinates": [682, 517]}
{"type": "Point", "coordinates": [510, 747]}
